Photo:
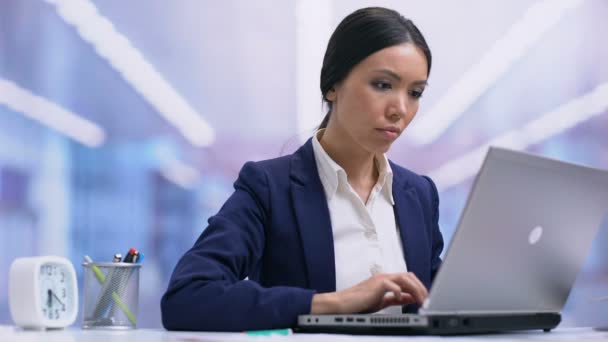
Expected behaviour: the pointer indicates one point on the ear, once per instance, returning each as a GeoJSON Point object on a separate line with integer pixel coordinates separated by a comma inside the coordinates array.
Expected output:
{"type": "Point", "coordinates": [331, 95]}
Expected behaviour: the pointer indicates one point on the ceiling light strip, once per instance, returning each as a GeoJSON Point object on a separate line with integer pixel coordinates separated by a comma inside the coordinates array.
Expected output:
{"type": "Point", "coordinates": [545, 126]}
{"type": "Point", "coordinates": [521, 37]}
{"type": "Point", "coordinates": [181, 174]}
{"type": "Point", "coordinates": [135, 69]}
{"type": "Point", "coordinates": [50, 114]}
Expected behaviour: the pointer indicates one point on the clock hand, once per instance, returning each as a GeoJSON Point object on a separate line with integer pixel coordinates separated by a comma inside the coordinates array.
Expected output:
{"type": "Point", "coordinates": [49, 301]}
{"type": "Point", "coordinates": [59, 300]}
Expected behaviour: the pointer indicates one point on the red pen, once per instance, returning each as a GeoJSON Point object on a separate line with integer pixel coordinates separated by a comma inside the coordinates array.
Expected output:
{"type": "Point", "coordinates": [130, 255]}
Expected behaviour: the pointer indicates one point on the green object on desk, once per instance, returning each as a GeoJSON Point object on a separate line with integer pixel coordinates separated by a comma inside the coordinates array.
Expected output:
{"type": "Point", "coordinates": [271, 332]}
{"type": "Point", "coordinates": [102, 278]}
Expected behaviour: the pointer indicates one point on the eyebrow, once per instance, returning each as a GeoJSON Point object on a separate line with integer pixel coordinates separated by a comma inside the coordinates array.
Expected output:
{"type": "Point", "coordinates": [394, 75]}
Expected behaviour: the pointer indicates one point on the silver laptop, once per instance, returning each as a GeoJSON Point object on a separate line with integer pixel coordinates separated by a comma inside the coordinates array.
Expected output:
{"type": "Point", "coordinates": [520, 243]}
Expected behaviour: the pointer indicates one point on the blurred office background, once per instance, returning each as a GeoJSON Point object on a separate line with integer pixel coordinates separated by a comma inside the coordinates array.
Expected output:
{"type": "Point", "coordinates": [124, 123]}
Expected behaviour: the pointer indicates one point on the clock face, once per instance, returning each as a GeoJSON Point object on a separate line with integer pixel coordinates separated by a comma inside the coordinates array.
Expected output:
{"type": "Point", "coordinates": [56, 291]}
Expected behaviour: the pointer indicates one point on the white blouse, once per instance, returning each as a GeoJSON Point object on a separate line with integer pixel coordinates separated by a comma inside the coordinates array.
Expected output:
{"type": "Point", "coordinates": [366, 239]}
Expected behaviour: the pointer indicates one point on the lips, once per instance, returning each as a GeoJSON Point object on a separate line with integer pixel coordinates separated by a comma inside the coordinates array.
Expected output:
{"type": "Point", "coordinates": [389, 132]}
{"type": "Point", "coordinates": [391, 129]}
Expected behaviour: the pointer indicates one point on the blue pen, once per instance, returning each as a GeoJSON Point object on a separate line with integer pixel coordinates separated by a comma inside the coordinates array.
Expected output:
{"type": "Point", "coordinates": [140, 257]}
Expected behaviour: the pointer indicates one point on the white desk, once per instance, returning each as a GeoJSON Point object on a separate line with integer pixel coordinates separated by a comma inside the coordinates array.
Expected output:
{"type": "Point", "coordinates": [12, 334]}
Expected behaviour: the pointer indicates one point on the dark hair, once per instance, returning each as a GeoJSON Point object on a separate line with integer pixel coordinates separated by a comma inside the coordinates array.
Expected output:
{"type": "Point", "coordinates": [359, 35]}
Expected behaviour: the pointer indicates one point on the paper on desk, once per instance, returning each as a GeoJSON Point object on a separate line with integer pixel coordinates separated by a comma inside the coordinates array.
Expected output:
{"type": "Point", "coordinates": [237, 337]}
{"type": "Point", "coordinates": [559, 335]}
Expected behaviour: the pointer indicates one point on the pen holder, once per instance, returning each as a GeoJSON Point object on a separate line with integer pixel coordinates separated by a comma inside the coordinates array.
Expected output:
{"type": "Point", "coordinates": [111, 295]}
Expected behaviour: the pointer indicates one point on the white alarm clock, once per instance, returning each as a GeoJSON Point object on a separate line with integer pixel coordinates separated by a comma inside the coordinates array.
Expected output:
{"type": "Point", "coordinates": [43, 292]}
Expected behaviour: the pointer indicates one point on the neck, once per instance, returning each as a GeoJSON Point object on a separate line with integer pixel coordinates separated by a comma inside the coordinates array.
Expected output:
{"type": "Point", "coordinates": [356, 161]}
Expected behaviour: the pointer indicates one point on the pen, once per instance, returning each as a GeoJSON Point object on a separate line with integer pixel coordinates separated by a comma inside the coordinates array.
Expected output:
{"type": "Point", "coordinates": [121, 276]}
{"type": "Point", "coordinates": [140, 257]}
{"type": "Point", "coordinates": [281, 332]}
{"type": "Point", "coordinates": [102, 278]}
{"type": "Point", "coordinates": [135, 259]}
{"type": "Point", "coordinates": [130, 255]}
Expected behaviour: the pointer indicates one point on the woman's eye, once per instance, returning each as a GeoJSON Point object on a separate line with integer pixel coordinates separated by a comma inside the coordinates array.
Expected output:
{"type": "Point", "coordinates": [382, 85]}
{"type": "Point", "coordinates": [416, 94]}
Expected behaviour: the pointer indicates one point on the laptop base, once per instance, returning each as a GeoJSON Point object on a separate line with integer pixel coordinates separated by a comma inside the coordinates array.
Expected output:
{"type": "Point", "coordinates": [426, 325]}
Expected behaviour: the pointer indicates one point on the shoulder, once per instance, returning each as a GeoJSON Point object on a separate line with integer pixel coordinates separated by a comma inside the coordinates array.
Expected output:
{"type": "Point", "coordinates": [300, 164]}
{"type": "Point", "coordinates": [269, 169]}
{"type": "Point", "coordinates": [424, 185]}
{"type": "Point", "coordinates": [411, 178]}
{"type": "Point", "coordinates": [266, 177]}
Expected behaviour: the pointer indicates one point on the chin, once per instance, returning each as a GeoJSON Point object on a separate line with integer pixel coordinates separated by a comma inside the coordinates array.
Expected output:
{"type": "Point", "coordinates": [380, 148]}
{"type": "Point", "coordinates": [384, 150]}
{"type": "Point", "coordinates": [376, 146]}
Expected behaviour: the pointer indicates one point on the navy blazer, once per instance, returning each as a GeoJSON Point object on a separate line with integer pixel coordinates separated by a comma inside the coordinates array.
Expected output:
{"type": "Point", "coordinates": [275, 229]}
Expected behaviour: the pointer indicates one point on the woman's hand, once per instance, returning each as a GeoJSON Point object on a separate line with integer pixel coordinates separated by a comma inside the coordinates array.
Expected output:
{"type": "Point", "coordinates": [371, 295]}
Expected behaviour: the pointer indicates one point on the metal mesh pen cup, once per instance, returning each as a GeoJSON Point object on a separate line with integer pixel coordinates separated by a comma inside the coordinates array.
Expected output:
{"type": "Point", "coordinates": [111, 295]}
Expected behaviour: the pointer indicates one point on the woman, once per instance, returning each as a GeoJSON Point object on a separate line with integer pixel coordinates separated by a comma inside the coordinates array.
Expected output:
{"type": "Point", "coordinates": [334, 227]}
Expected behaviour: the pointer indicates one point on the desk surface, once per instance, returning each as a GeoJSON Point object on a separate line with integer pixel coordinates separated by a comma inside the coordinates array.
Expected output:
{"type": "Point", "coordinates": [13, 334]}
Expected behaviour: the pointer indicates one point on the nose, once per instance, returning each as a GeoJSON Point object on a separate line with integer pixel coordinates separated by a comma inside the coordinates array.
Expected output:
{"type": "Point", "coordinates": [398, 108]}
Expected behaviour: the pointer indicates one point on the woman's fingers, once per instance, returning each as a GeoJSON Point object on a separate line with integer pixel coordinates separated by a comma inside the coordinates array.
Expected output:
{"type": "Point", "coordinates": [402, 289]}
{"type": "Point", "coordinates": [410, 284]}
{"type": "Point", "coordinates": [380, 291]}
{"type": "Point", "coordinates": [392, 294]}
{"type": "Point", "coordinates": [413, 276]}
{"type": "Point", "coordinates": [390, 286]}
{"type": "Point", "coordinates": [390, 300]}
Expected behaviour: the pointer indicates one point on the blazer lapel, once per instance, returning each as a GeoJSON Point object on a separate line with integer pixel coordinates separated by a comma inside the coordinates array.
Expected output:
{"type": "Point", "coordinates": [313, 220]}
{"type": "Point", "coordinates": [410, 220]}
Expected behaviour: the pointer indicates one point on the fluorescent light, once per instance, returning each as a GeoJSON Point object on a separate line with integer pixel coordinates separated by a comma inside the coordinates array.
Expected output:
{"type": "Point", "coordinates": [537, 20]}
{"type": "Point", "coordinates": [44, 111]}
{"type": "Point", "coordinates": [135, 69]}
{"type": "Point", "coordinates": [181, 174]}
{"type": "Point", "coordinates": [313, 27]}
{"type": "Point", "coordinates": [545, 126]}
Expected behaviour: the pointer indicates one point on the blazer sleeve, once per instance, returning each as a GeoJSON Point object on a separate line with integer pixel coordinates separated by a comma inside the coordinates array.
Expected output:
{"type": "Point", "coordinates": [436, 236]}
{"type": "Point", "coordinates": [208, 290]}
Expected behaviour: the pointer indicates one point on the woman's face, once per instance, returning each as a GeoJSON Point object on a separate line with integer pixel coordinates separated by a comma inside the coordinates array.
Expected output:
{"type": "Point", "coordinates": [379, 97]}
